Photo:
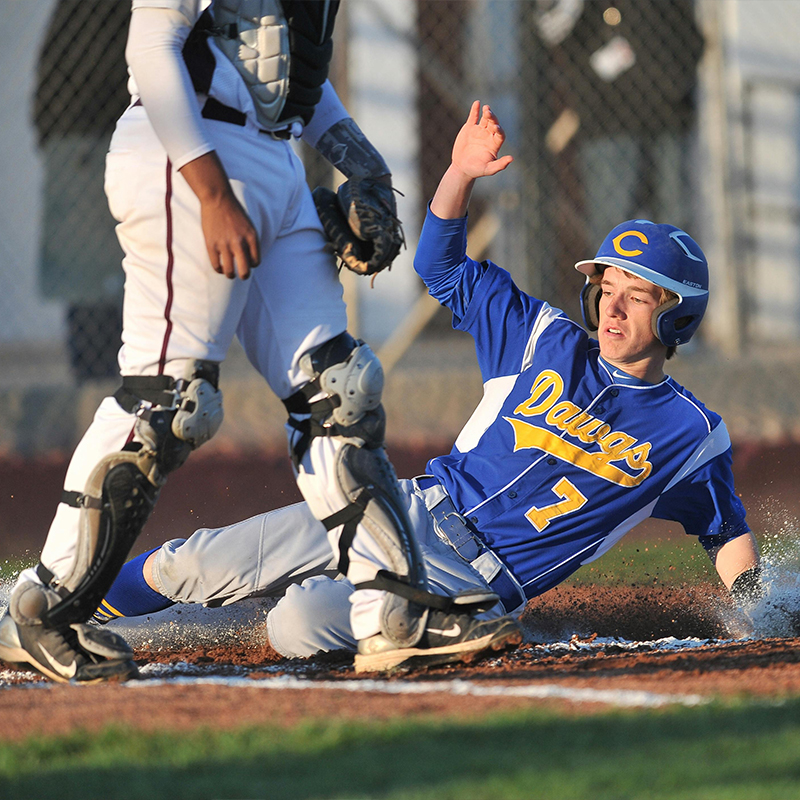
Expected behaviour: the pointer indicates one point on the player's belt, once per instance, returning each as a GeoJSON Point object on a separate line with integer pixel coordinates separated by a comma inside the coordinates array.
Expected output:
{"type": "Point", "coordinates": [456, 530]}
{"type": "Point", "coordinates": [213, 109]}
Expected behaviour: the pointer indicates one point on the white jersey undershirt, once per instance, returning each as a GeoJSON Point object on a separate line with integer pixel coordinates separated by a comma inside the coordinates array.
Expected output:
{"type": "Point", "coordinates": [159, 76]}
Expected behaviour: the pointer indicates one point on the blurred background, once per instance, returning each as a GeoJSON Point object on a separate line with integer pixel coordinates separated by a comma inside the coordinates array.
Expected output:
{"type": "Point", "coordinates": [686, 111]}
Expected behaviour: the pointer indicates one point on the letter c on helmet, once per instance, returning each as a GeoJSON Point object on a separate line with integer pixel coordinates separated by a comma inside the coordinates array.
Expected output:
{"type": "Point", "coordinates": [617, 241]}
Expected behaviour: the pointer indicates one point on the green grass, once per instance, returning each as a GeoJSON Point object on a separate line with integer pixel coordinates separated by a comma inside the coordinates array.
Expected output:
{"type": "Point", "coordinates": [729, 752]}
{"type": "Point", "coordinates": [11, 567]}
{"type": "Point", "coordinates": [668, 561]}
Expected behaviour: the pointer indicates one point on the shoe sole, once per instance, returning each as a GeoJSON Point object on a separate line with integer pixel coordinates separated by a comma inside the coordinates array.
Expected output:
{"type": "Point", "coordinates": [411, 657]}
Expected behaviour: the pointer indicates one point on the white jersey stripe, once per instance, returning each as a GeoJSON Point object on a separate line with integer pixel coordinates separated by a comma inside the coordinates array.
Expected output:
{"type": "Point", "coordinates": [716, 443]}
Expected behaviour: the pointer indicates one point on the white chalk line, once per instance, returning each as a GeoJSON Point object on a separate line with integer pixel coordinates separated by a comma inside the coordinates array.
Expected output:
{"type": "Point", "coordinates": [628, 698]}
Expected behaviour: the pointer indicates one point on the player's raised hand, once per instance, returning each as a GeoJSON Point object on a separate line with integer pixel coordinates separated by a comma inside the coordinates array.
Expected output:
{"type": "Point", "coordinates": [231, 238]}
{"type": "Point", "coordinates": [475, 155]}
{"type": "Point", "coordinates": [476, 148]}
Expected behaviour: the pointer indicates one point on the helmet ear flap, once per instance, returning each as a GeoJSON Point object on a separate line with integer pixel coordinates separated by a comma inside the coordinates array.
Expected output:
{"type": "Point", "coordinates": [657, 313]}
{"type": "Point", "coordinates": [590, 305]}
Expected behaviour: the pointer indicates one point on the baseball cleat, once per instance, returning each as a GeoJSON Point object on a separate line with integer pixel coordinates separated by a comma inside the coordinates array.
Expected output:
{"type": "Point", "coordinates": [58, 654]}
{"type": "Point", "coordinates": [447, 638]}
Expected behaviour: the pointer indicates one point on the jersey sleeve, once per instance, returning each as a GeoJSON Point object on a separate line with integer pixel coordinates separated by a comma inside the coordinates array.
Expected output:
{"type": "Point", "coordinates": [154, 54]}
{"type": "Point", "coordinates": [483, 297]}
{"type": "Point", "coordinates": [441, 261]}
{"type": "Point", "coordinates": [706, 504]}
{"type": "Point", "coordinates": [327, 113]}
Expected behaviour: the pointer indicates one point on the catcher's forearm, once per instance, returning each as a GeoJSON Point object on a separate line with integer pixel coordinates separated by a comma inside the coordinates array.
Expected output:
{"type": "Point", "coordinates": [348, 149]}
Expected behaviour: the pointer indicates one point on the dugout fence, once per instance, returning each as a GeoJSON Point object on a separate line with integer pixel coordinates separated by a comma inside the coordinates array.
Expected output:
{"type": "Point", "coordinates": [671, 110]}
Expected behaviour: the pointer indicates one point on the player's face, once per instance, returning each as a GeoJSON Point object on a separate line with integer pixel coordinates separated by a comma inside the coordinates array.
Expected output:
{"type": "Point", "coordinates": [625, 333]}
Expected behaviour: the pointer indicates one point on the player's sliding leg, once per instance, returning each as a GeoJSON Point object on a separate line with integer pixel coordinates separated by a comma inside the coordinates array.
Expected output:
{"type": "Point", "coordinates": [260, 556]}
{"type": "Point", "coordinates": [137, 438]}
{"type": "Point", "coordinates": [131, 595]}
{"type": "Point", "coordinates": [337, 438]}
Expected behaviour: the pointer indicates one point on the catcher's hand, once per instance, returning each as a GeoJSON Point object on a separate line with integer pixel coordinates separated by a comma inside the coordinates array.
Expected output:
{"type": "Point", "coordinates": [361, 222]}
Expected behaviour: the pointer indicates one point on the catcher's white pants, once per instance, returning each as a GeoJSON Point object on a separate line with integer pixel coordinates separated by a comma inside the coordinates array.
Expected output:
{"type": "Point", "coordinates": [285, 553]}
{"type": "Point", "coordinates": [177, 309]}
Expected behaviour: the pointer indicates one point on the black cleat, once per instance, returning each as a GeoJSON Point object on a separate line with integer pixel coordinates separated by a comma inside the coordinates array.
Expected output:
{"type": "Point", "coordinates": [60, 653]}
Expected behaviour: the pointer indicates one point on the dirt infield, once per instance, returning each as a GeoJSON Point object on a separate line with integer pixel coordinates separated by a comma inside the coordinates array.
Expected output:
{"type": "Point", "coordinates": [586, 648]}
{"type": "Point", "coordinates": [222, 686]}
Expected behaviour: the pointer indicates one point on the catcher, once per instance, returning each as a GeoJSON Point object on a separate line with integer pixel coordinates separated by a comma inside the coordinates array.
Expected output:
{"type": "Point", "coordinates": [208, 193]}
{"type": "Point", "coordinates": [576, 440]}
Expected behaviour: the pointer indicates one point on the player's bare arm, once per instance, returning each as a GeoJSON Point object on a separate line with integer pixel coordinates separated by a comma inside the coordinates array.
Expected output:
{"type": "Point", "coordinates": [475, 155]}
{"type": "Point", "coordinates": [231, 238]}
{"type": "Point", "coordinates": [735, 558]}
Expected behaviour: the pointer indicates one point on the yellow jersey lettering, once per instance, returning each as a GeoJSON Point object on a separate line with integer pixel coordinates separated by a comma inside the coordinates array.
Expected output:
{"type": "Point", "coordinates": [527, 436]}
{"type": "Point", "coordinates": [636, 458]}
{"type": "Point", "coordinates": [584, 427]}
{"type": "Point", "coordinates": [546, 381]}
{"type": "Point", "coordinates": [615, 444]}
{"type": "Point", "coordinates": [572, 419]}
{"type": "Point", "coordinates": [561, 413]}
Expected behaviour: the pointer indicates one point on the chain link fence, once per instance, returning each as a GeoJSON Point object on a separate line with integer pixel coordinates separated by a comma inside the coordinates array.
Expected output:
{"type": "Point", "coordinates": [670, 110]}
{"type": "Point", "coordinates": [80, 92]}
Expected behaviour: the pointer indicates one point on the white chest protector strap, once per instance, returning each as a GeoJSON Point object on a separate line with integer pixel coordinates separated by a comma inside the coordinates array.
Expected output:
{"type": "Point", "coordinates": [254, 36]}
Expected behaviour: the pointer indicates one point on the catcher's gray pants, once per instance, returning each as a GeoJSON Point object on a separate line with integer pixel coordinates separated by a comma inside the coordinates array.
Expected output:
{"type": "Point", "coordinates": [286, 553]}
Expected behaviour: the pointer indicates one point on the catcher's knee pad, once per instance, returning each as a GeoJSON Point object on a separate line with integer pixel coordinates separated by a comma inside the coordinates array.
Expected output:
{"type": "Point", "coordinates": [342, 397]}
{"type": "Point", "coordinates": [173, 418]}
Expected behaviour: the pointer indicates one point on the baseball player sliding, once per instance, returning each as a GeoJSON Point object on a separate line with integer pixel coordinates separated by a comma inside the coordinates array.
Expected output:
{"type": "Point", "coordinates": [575, 441]}
{"type": "Point", "coordinates": [222, 237]}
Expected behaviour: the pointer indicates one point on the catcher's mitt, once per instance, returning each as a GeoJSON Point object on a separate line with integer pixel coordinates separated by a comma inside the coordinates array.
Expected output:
{"type": "Point", "coordinates": [361, 222]}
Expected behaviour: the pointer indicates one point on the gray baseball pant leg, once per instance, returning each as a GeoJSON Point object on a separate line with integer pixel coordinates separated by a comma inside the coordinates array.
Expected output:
{"type": "Point", "coordinates": [260, 556]}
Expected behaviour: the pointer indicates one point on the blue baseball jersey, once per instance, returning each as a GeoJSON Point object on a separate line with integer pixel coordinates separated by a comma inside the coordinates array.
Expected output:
{"type": "Point", "coordinates": [565, 453]}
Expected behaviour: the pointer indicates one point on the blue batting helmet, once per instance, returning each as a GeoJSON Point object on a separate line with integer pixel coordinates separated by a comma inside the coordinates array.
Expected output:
{"type": "Point", "coordinates": [663, 255]}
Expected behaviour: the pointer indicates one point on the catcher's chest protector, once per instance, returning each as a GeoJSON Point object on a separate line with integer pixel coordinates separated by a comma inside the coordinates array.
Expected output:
{"type": "Point", "coordinates": [281, 50]}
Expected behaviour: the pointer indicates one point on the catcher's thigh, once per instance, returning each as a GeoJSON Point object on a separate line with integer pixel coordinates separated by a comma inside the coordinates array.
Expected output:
{"type": "Point", "coordinates": [295, 303]}
{"type": "Point", "coordinates": [176, 308]}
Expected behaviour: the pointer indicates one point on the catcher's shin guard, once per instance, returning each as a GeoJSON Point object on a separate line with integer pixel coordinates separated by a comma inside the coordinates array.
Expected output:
{"type": "Point", "coordinates": [174, 417]}
{"type": "Point", "coordinates": [116, 504]}
{"type": "Point", "coordinates": [343, 400]}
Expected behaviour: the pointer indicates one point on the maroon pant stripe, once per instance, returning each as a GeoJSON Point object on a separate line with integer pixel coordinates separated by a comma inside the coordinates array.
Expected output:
{"type": "Point", "coordinates": [170, 264]}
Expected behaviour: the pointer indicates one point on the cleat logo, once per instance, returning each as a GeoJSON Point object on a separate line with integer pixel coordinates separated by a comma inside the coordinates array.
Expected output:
{"type": "Point", "coordinates": [449, 632]}
{"type": "Point", "coordinates": [60, 669]}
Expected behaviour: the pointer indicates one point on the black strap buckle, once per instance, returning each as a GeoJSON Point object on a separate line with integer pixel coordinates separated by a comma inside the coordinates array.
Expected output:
{"type": "Point", "coordinates": [465, 602]}
{"type": "Point", "coordinates": [80, 500]}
